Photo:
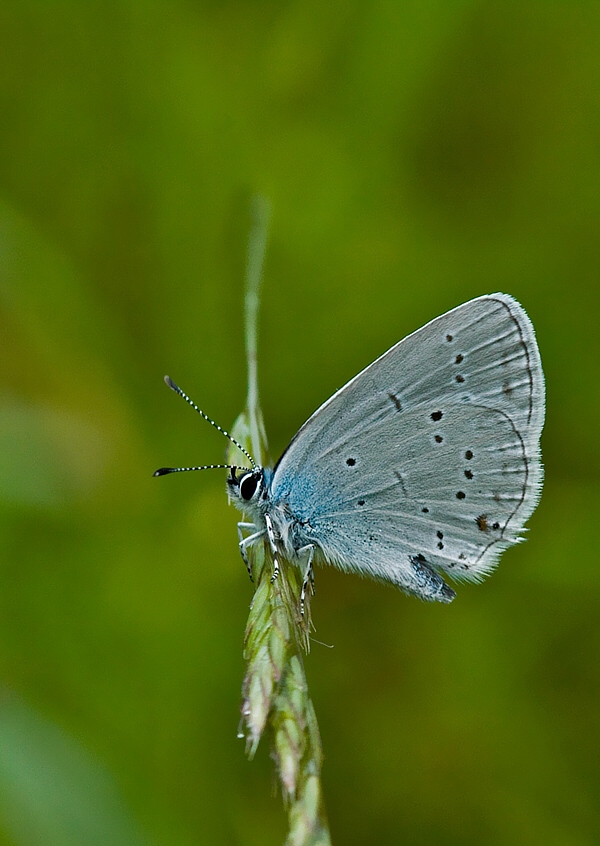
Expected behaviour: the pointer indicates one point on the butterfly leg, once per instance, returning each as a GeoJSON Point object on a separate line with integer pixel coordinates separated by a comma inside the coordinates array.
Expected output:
{"type": "Point", "coordinates": [244, 542]}
{"type": "Point", "coordinates": [309, 576]}
{"type": "Point", "coordinates": [273, 545]}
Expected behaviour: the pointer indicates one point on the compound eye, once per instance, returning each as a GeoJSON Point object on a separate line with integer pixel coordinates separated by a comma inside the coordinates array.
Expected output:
{"type": "Point", "coordinates": [248, 486]}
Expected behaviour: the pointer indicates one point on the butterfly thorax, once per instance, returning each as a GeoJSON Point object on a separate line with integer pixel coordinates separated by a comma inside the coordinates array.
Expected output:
{"type": "Point", "coordinates": [250, 492]}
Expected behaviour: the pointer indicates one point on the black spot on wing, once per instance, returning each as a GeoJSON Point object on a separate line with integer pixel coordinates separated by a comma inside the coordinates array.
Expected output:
{"type": "Point", "coordinates": [396, 401]}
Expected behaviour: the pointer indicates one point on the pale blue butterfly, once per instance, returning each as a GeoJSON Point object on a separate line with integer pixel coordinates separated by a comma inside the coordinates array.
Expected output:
{"type": "Point", "coordinates": [425, 463]}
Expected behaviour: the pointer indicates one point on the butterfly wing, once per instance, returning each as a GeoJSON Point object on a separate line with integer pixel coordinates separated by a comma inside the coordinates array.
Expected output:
{"type": "Point", "coordinates": [428, 460]}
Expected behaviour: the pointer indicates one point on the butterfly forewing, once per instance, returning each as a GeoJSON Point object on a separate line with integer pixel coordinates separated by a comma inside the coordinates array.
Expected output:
{"type": "Point", "coordinates": [430, 454]}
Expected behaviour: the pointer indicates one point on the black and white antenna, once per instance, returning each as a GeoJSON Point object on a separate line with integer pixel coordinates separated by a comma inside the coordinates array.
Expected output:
{"type": "Point", "coordinates": [163, 471]}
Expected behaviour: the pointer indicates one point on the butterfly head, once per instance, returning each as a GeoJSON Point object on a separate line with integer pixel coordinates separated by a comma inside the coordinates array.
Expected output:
{"type": "Point", "coordinates": [248, 489]}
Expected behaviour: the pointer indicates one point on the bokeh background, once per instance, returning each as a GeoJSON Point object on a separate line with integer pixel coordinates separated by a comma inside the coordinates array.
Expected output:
{"type": "Point", "coordinates": [416, 154]}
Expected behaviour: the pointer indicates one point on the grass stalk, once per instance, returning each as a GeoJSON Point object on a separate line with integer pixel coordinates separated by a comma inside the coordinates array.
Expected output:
{"type": "Point", "coordinates": [275, 695]}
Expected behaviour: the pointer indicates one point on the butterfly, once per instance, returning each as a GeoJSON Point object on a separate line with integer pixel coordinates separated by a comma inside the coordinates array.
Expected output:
{"type": "Point", "coordinates": [425, 465]}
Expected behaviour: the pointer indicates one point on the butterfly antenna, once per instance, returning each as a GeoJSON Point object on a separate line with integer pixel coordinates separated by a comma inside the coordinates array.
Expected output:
{"type": "Point", "coordinates": [164, 471]}
{"type": "Point", "coordinates": [181, 393]}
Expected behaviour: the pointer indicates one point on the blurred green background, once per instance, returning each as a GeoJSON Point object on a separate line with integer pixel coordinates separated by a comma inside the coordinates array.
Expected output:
{"type": "Point", "coordinates": [416, 154]}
